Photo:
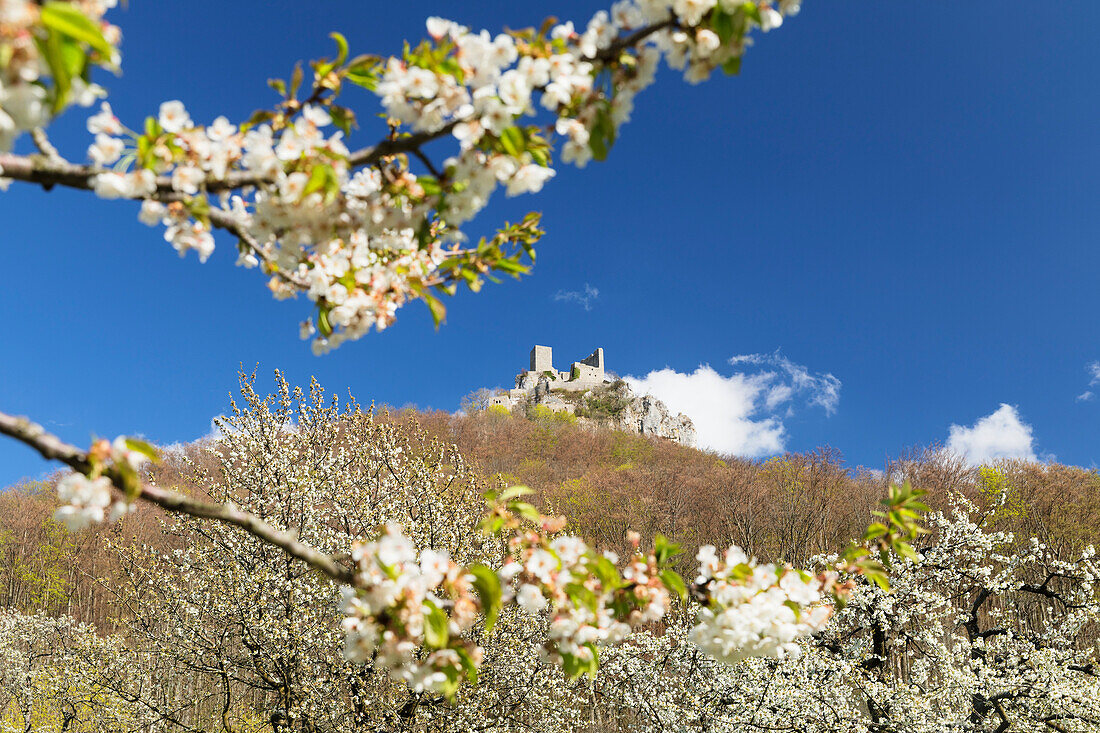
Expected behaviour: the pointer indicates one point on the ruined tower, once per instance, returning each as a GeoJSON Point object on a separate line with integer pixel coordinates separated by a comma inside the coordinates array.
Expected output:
{"type": "Point", "coordinates": [542, 359]}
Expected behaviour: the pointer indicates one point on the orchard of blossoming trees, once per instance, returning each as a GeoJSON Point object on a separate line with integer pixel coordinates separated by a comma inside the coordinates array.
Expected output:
{"type": "Point", "coordinates": [213, 629]}
{"type": "Point", "coordinates": [334, 578]}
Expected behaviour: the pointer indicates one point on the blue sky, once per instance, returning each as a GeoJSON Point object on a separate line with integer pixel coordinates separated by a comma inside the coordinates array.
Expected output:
{"type": "Point", "coordinates": [900, 195]}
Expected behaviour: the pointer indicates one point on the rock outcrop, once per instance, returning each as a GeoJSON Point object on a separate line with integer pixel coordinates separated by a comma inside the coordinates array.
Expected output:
{"type": "Point", "coordinates": [647, 415]}
{"type": "Point", "coordinates": [615, 405]}
{"type": "Point", "coordinates": [588, 392]}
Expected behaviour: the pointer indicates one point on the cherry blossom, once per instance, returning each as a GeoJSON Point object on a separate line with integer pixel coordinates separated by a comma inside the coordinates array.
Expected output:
{"type": "Point", "coordinates": [363, 232]}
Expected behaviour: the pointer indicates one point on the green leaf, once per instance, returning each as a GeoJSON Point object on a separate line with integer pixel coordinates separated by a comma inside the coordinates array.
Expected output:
{"type": "Point", "coordinates": [580, 595]}
{"type": "Point", "coordinates": [430, 185]}
{"type": "Point", "coordinates": [674, 583]}
{"type": "Point", "coordinates": [140, 446]}
{"type": "Point", "coordinates": [525, 510]}
{"type": "Point", "coordinates": [664, 550]}
{"type": "Point", "coordinates": [487, 585]}
{"type": "Point", "coordinates": [608, 124]}
{"type": "Point", "coordinates": [854, 552]}
{"type": "Point", "coordinates": [128, 479]}
{"type": "Point", "coordinates": [875, 530]}
{"type": "Point", "coordinates": [324, 179]}
{"type": "Point", "coordinates": [514, 492]}
{"type": "Point", "coordinates": [74, 57]}
{"type": "Point", "coordinates": [597, 145]}
{"type": "Point", "coordinates": [342, 44]}
{"type": "Point", "coordinates": [323, 324]}
{"type": "Point", "coordinates": [722, 24]}
{"type": "Point", "coordinates": [321, 70]}
{"type": "Point", "coordinates": [144, 151]}
{"type": "Point", "coordinates": [436, 634]}
{"type": "Point", "coordinates": [732, 66]}
{"type": "Point", "coordinates": [468, 665]}
{"type": "Point", "coordinates": [363, 71]}
{"type": "Point", "coordinates": [473, 281]}
{"type": "Point", "coordinates": [343, 118]}
{"type": "Point", "coordinates": [59, 70]}
{"type": "Point", "coordinates": [260, 115]}
{"type": "Point", "coordinates": [435, 305]}
{"type": "Point", "coordinates": [512, 141]}
{"type": "Point", "coordinates": [606, 571]}
{"type": "Point", "coordinates": [65, 18]}
{"type": "Point", "coordinates": [906, 551]}
{"type": "Point", "coordinates": [879, 578]}
{"type": "Point", "coordinates": [317, 178]}
{"type": "Point", "coordinates": [451, 67]}
{"type": "Point", "coordinates": [450, 684]}
{"type": "Point", "coordinates": [574, 667]}
{"type": "Point", "coordinates": [512, 267]}
{"type": "Point", "coordinates": [296, 80]}
{"type": "Point", "coordinates": [592, 666]}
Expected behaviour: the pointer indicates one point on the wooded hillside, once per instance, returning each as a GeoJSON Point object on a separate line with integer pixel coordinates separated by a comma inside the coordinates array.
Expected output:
{"type": "Point", "coordinates": [606, 482]}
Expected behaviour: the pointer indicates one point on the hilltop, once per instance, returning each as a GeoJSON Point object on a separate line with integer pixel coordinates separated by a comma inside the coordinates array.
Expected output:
{"type": "Point", "coordinates": [588, 392]}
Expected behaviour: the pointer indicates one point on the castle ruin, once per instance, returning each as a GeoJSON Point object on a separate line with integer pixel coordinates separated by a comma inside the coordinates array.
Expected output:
{"type": "Point", "coordinates": [542, 378]}
{"type": "Point", "coordinates": [584, 374]}
{"type": "Point", "coordinates": [644, 415]}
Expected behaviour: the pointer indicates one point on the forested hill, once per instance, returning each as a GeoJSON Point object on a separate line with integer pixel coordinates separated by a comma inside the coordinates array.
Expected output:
{"type": "Point", "coordinates": [789, 507]}
{"type": "Point", "coordinates": [605, 482]}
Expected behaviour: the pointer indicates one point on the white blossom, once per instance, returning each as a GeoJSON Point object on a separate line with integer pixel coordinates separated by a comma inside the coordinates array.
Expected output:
{"type": "Point", "coordinates": [173, 116]}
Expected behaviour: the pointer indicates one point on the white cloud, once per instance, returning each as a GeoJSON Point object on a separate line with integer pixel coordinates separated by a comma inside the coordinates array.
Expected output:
{"type": "Point", "coordinates": [216, 432]}
{"type": "Point", "coordinates": [1001, 434]}
{"type": "Point", "coordinates": [1094, 379]}
{"type": "Point", "coordinates": [823, 389]}
{"type": "Point", "coordinates": [583, 299]}
{"type": "Point", "coordinates": [741, 414]}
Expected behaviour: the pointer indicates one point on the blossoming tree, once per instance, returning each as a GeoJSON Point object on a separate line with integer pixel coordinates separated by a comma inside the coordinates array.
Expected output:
{"type": "Point", "coordinates": [981, 631]}
{"type": "Point", "coordinates": [49, 672]}
{"type": "Point", "coordinates": [361, 232]}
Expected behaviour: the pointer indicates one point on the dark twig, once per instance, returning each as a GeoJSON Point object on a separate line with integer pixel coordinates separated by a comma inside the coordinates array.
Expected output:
{"type": "Point", "coordinates": [51, 447]}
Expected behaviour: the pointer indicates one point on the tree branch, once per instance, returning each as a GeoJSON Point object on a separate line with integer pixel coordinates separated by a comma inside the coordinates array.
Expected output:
{"type": "Point", "coordinates": [49, 172]}
{"type": "Point", "coordinates": [42, 142]}
{"type": "Point", "coordinates": [50, 169]}
{"type": "Point", "coordinates": [611, 53]}
{"type": "Point", "coordinates": [407, 144]}
{"type": "Point", "coordinates": [224, 220]}
{"type": "Point", "coordinates": [46, 172]}
{"type": "Point", "coordinates": [51, 447]}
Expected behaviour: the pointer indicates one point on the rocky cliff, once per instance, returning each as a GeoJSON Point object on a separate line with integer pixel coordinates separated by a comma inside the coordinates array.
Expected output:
{"type": "Point", "coordinates": [616, 406]}
{"type": "Point", "coordinates": [647, 415]}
